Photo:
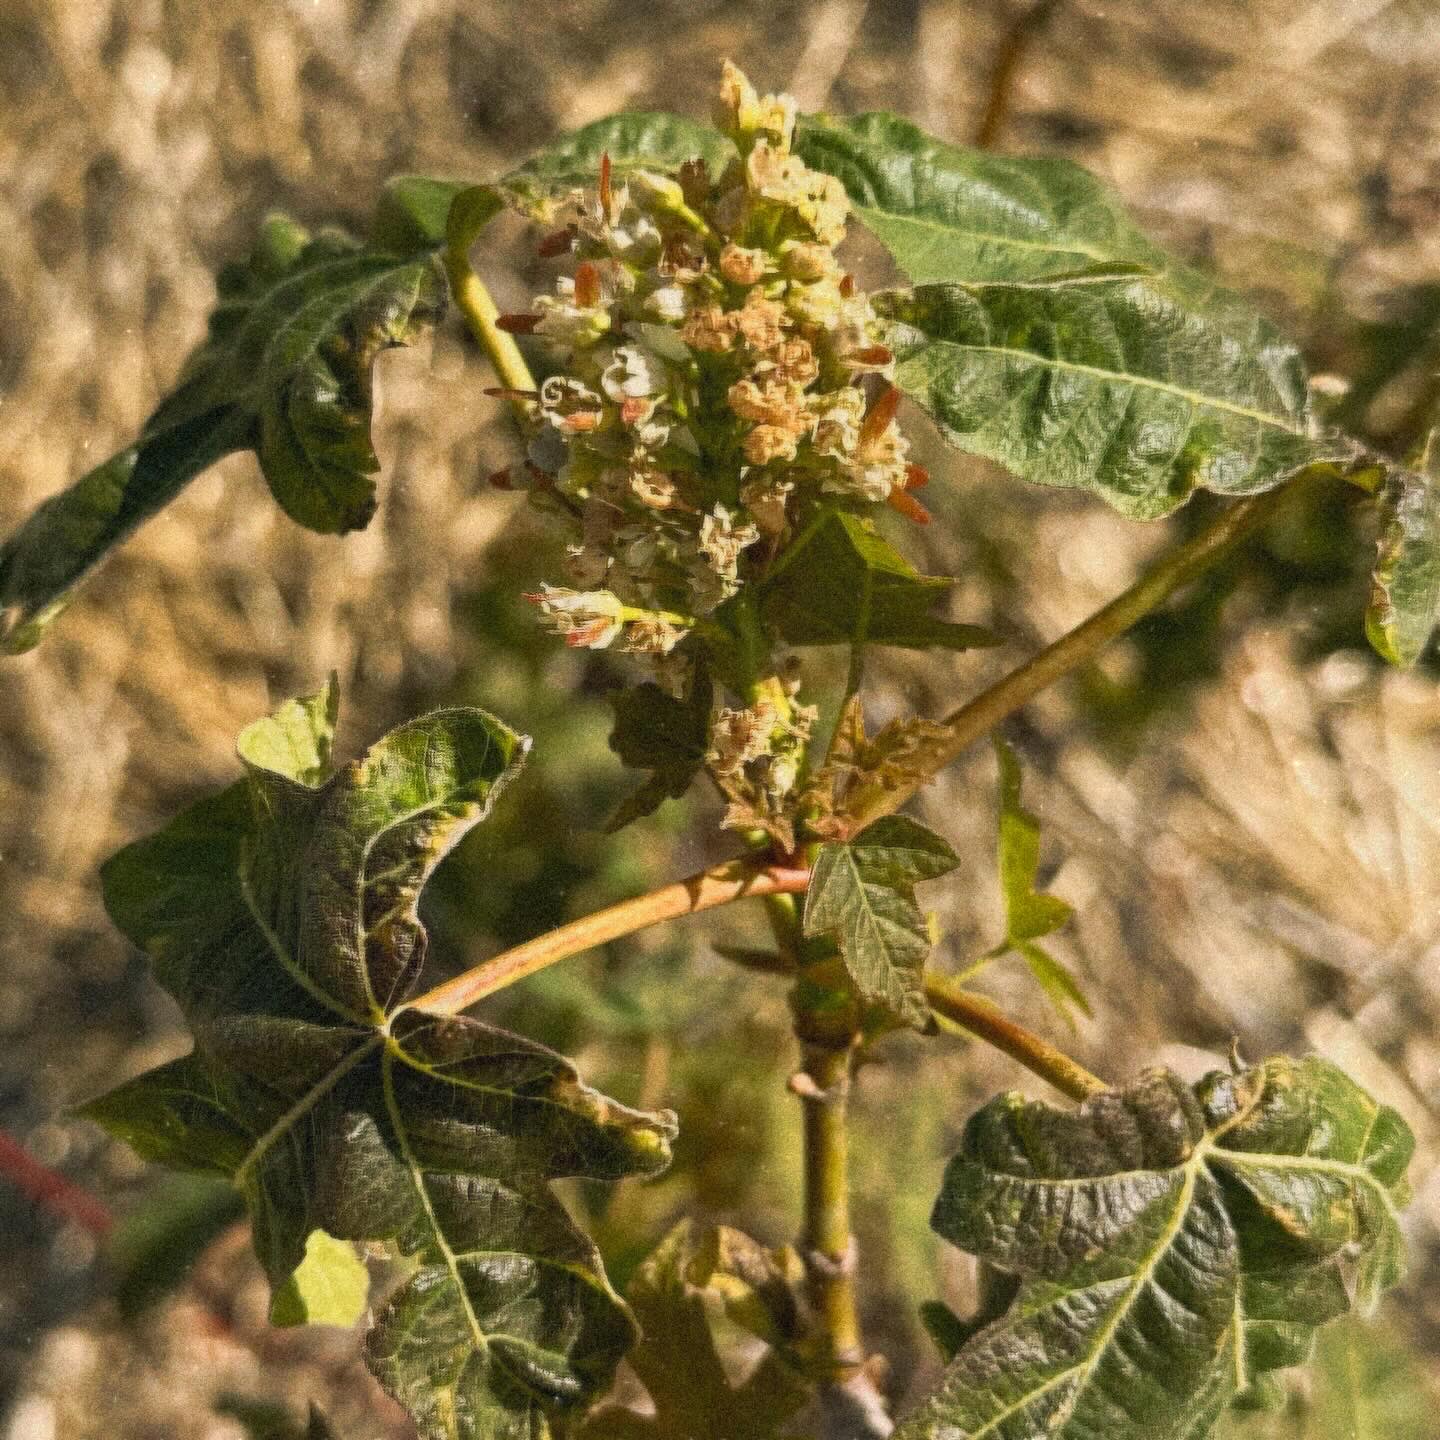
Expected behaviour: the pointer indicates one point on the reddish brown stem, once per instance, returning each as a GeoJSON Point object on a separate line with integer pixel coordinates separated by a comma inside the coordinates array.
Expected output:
{"type": "Point", "coordinates": [720, 885]}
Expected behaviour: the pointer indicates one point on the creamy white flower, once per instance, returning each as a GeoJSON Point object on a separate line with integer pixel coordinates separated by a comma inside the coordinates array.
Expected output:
{"type": "Point", "coordinates": [589, 618]}
{"type": "Point", "coordinates": [653, 635]}
{"type": "Point", "coordinates": [740, 736]}
{"type": "Point", "coordinates": [568, 324]}
{"type": "Point", "coordinates": [632, 373]}
{"type": "Point", "coordinates": [669, 302]}
{"type": "Point", "coordinates": [837, 427]}
{"type": "Point", "coordinates": [570, 405]}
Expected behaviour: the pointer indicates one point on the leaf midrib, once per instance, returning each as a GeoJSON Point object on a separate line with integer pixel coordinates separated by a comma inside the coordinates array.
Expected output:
{"type": "Point", "coordinates": [417, 1179]}
{"type": "Point", "coordinates": [289, 964]}
{"type": "Point", "coordinates": [1194, 398]}
{"type": "Point", "coordinates": [871, 916]}
{"type": "Point", "coordinates": [450, 1257]}
{"type": "Point", "coordinates": [333, 302]}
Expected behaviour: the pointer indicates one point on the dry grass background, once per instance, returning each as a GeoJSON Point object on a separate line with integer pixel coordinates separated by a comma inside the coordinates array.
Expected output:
{"type": "Point", "coordinates": [1268, 866]}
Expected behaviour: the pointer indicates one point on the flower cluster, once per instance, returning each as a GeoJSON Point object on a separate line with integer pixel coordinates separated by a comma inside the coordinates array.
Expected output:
{"type": "Point", "coordinates": [712, 354]}
{"type": "Point", "coordinates": [718, 375]}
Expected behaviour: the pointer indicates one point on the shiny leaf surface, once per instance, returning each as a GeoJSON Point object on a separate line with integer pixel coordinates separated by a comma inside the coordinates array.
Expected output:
{"type": "Point", "coordinates": [1123, 385]}
{"type": "Point", "coordinates": [1174, 1245]}
{"type": "Point", "coordinates": [947, 212]}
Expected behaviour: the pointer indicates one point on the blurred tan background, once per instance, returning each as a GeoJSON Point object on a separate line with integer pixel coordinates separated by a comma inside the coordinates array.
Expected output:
{"type": "Point", "coordinates": [1262, 861]}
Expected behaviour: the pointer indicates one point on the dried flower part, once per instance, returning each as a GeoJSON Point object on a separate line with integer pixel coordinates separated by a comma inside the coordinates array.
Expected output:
{"type": "Point", "coordinates": [740, 736]}
{"type": "Point", "coordinates": [742, 266]}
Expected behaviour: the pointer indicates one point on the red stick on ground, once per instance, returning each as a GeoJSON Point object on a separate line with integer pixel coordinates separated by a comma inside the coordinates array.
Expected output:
{"type": "Point", "coordinates": [52, 1191]}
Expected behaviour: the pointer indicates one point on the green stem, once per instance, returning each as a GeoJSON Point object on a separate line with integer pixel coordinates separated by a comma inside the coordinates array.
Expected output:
{"type": "Point", "coordinates": [976, 719]}
{"type": "Point", "coordinates": [827, 1245]}
{"type": "Point", "coordinates": [719, 885]}
{"type": "Point", "coordinates": [980, 1018]}
{"type": "Point", "coordinates": [481, 313]}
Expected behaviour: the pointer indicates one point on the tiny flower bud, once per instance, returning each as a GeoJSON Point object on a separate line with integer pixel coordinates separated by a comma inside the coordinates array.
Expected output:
{"type": "Point", "coordinates": [909, 507]}
{"type": "Point", "coordinates": [656, 192]}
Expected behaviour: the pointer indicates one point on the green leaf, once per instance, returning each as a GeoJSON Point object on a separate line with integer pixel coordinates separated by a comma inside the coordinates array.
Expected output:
{"type": "Point", "coordinates": [328, 1287]}
{"type": "Point", "coordinates": [950, 213]}
{"type": "Point", "coordinates": [1132, 387]}
{"type": "Point", "coordinates": [1405, 592]}
{"type": "Point", "coordinates": [840, 583]}
{"type": "Point", "coordinates": [696, 1279]}
{"type": "Point", "coordinates": [1173, 1245]}
{"type": "Point", "coordinates": [281, 915]}
{"type": "Point", "coordinates": [667, 736]}
{"type": "Point", "coordinates": [1047, 333]}
{"type": "Point", "coordinates": [154, 1248]}
{"type": "Point", "coordinates": [862, 894]}
{"type": "Point", "coordinates": [1030, 915]}
{"type": "Point", "coordinates": [286, 372]}
{"type": "Point", "coordinates": [472, 210]}
{"type": "Point", "coordinates": [266, 1420]}
{"type": "Point", "coordinates": [634, 140]}
{"type": "Point", "coordinates": [947, 1331]}
{"type": "Point", "coordinates": [413, 213]}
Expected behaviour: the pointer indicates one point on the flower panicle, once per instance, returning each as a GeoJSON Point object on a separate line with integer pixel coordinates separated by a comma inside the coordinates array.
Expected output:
{"type": "Point", "coordinates": [719, 375]}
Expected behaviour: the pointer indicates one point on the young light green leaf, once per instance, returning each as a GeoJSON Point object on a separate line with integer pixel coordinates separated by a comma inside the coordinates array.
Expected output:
{"type": "Point", "coordinates": [1030, 915]}
{"type": "Point", "coordinates": [1132, 387]}
{"type": "Point", "coordinates": [693, 1278]}
{"type": "Point", "coordinates": [840, 584]}
{"type": "Point", "coordinates": [328, 1287]}
{"type": "Point", "coordinates": [862, 894]}
{"type": "Point", "coordinates": [281, 915]}
{"type": "Point", "coordinates": [1173, 1246]}
{"type": "Point", "coordinates": [286, 372]}
{"type": "Point", "coordinates": [634, 140]}
{"type": "Point", "coordinates": [414, 212]}
{"type": "Point", "coordinates": [1405, 592]}
{"type": "Point", "coordinates": [950, 213]}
